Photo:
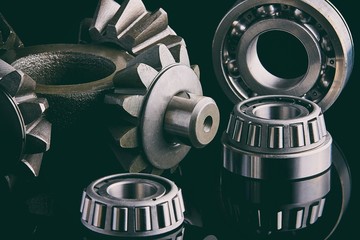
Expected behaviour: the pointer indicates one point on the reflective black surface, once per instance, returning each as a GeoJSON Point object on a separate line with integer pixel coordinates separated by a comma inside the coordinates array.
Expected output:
{"type": "Point", "coordinates": [51, 209]}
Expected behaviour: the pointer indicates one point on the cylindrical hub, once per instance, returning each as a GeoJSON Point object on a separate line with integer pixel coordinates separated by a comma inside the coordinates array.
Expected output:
{"type": "Point", "coordinates": [193, 119]}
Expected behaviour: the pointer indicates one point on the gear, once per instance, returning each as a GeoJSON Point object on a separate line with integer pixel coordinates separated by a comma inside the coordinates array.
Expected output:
{"type": "Point", "coordinates": [8, 37]}
{"type": "Point", "coordinates": [129, 26]}
{"type": "Point", "coordinates": [24, 133]}
{"type": "Point", "coordinates": [161, 100]}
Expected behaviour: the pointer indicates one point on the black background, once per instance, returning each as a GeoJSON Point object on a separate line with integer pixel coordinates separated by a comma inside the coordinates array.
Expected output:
{"type": "Point", "coordinates": [196, 21]}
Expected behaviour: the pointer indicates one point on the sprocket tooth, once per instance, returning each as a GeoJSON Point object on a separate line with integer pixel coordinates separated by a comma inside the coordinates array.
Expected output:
{"type": "Point", "coordinates": [196, 70]}
{"type": "Point", "coordinates": [180, 54]}
{"type": "Point", "coordinates": [126, 136]}
{"type": "Point", "coordinates": [105, 11]}
{"type": "Point", "coordinates": [138, 165]}
{"type": "Point", "coordinates": [130, 12]}
{"type": "Point", "coordinates": [156, 171]}
{"type": "Point", "coordinates": [8, 38]}
{"type": "Point", "coordinates": [38, 137]}
{"type": "Point", "coordinates": [33, 163]}
{"type": "Point", "coordinates": [33, 109]}
{"type": "Point", "coordinates": [146, 28]}
{"type": "Point", "coordinates": [135, 78]}
{"type": "Point", "coordinates": [130, 104]}
{"type": "Point", "coordinates": [166, 37]}
{"type": "Point", "coordinates": [84, 31]}
{"type": "Point", "coordinates": [158, 57]}
{"type": "Point", "coordinates": [10, 79]}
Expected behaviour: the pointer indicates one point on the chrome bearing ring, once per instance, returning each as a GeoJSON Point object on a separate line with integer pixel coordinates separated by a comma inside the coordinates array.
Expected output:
{"type": "Point", "coordinates": [316, 25]}
{"type": "Point", "coordinates": [132, 205]}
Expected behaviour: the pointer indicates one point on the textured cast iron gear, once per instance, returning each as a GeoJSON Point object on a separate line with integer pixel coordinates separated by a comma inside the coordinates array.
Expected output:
{"type": "Point", "coordinates": [132, 205]}
{"type": "Point", "coordinates": [129, 26]}
{"type": "Point", "coordinates": [161, 99]}
{"type": "Point", "coordinates": [8, 37]}
{"type": "Point", "coordinates": [24, 132]}
{"type": "Point", "coordinates": [280, 141]}
{"type": "Point", "coordinates": [319, 28]}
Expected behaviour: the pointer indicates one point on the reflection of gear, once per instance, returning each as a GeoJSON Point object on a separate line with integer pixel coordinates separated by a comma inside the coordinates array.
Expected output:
{"type": "Point", "coordinates": [24, 133]}
{"type": "Point", "coordinates": [129, 26]}
{"type": "Point", "coordinates": [132, 205]}
{"type": "Point", "coordinates": [8, 38]}
{"type": "Point", "coordinates": [320, 29]}
{"type": "Point", "coordinates": [162, 99]}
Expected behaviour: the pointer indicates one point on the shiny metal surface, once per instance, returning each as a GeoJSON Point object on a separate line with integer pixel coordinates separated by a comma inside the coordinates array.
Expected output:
{"type": "Point", "coordinates": [276, 134]}
{"type": "Point", "coordinates": [24, 132]}
{"type": "Point", "coordinates": [132, 205]}
{"type": "Point", "coordinates": [318, 28]}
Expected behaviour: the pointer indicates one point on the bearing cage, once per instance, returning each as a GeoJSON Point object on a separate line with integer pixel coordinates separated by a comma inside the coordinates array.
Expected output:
{"type": "Point", "coordinates": [333, 38]}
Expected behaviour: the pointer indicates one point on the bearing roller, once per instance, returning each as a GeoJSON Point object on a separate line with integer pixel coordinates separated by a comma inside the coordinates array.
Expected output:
{"type": "Point", "coordinates": [280, 141]}
{"type": "Point", "coordinates": [132, 205]}
{"type": "Point", "coordinates": [316, 25]}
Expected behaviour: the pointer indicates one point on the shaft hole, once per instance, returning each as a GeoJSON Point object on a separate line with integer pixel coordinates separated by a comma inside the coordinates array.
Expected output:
{"type": "Point", "coordinates": [208, 122]}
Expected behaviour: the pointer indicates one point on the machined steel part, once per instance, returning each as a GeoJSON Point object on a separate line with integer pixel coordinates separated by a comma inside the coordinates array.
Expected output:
{"type": "Point", "coordinates": [160, 97]}
{"type": "Point", "coordinates": [8, 38]}
{"type": "Point", "coordinates": [275, 206]}
{"type": "Point", "coordinates": [73, 77]}
{"type": "Point", "coordinates": [132, 205]}
{"type": "Point", "coordinates": [24, 132]}
{"type": "Point", "coordinates": [316, 25]}
{"type": "Point", "coordinates": [130, 26]}
{"type": "Point", "coordinates": [281, 139]}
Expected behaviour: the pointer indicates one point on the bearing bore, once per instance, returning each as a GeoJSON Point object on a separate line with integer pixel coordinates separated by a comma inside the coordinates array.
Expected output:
{"type": "Point", "coordinates": [132, 205]}
{"type": "Point", "coordinates": [316, 26]}
{"type": "Point", "coordinates": [281, 142]}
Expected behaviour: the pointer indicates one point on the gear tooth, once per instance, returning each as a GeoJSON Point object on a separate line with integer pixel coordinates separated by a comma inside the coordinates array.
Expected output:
{"type": "Point", "coordinates": [130, 104]}
{"type": "Point", "coordinates": [105, 11]}
{"type": "Point", "coordinates": [10, 79]}
{"type": "Point", "coordinates": [135, 78]}
{"type": "Point", "coordinates": [148, 27]}
{"type": "Point", "coordinates": [32, 110]}
{"type": "Point", "coordinates": [196, 70]}
{"type": "Point", "coordinates": [180, 54]}
{"type": "Point", "coordinates": [158, 57]}
{"type": "Point", "coordinates": [138, 165]}
{"type": "Point", "coordinates": [84, 33]}
{"type": "Point", "coordinates": [165, 37]}
{"type": "Point", "coordinates": [130, 12]}
{"type": "Point", "coordinates": [26, 88]}
{"type": "Point", "coordinates": [33, 162]}
{"type": "Point", "coordinates": [8, 37]}
{"type": "Point", "coordinates": [126, 136]}
{"type": "Point", "coordinates": [156, 171]}
{"type": "Point", "coordinates": [38, 137]}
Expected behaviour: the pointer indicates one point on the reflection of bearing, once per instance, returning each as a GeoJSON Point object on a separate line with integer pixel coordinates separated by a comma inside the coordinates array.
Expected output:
{"type": "Point", "coordinates": [270, 135]}
{"type": "Point", "coordinates": [74, 78]}
{"type": "Point", "coordinates": [132, 205]}
{"type": "Point", "coordinates": [317, 25]}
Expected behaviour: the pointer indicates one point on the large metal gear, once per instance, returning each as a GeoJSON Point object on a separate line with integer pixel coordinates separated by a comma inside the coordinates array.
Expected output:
{"type": "Point", "coordinates": [161, 99]}
{"type": "Point", "coordinates": [24, 132]}
{"type": "Point", "coordinates": [316, 26]}
{"type": "Point", "coordinates": [130, 26]}
{"type": "Point", "coordinates": [140, 88]}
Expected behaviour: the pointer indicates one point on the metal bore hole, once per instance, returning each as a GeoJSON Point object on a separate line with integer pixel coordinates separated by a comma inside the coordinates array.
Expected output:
{"type": "Point", "coordinates": [65, 68]}
{"type": "Point", "coordinates": [282, 54]}
{"type": "Point", "coordinates": [208, 122]}
{"type": "Point", "coordinates": [277, 111]}
{"type": "Point", "coordinates": [131, 190]}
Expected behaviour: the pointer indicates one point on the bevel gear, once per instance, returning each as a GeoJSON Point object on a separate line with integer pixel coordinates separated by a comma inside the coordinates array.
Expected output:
{"type": "Point", "coordinates": [129, 25]}
{"type": "Point", "coordinates": [160, 98]}
{"type": "Point", "coordinates": [159, 93]}
{"type": "Point", "coordinates": [24, 132]}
